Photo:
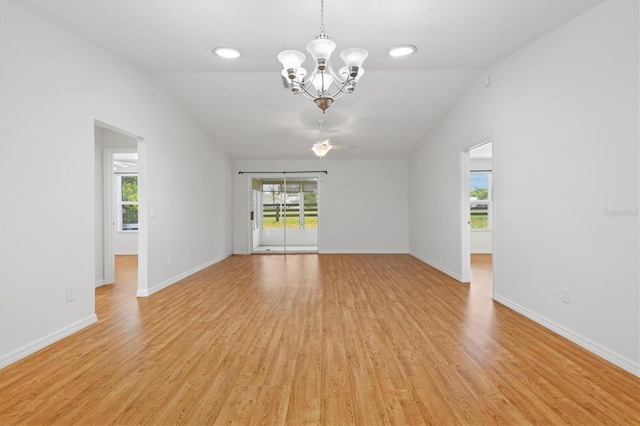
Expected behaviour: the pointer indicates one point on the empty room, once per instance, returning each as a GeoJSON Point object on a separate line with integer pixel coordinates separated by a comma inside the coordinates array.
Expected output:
{"type": "Point", "coordinates": [210, 213]}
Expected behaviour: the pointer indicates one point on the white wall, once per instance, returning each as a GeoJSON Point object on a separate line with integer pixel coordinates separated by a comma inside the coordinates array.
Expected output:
{"type": "Point", "coordinates": [363, 204]}
{"type": "Point", "coordinates": [481, 241]}
{"type": "Point", "coordinates": [563, 112]}
{"type": "Point", "coordinates": [125, 243]}
{"type": "Point", "coordinates": [53, 87]}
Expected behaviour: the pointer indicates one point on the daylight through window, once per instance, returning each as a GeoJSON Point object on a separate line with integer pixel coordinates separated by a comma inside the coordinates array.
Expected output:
{"type": "Point", "coordinates": [291, 206]}
{"type": "Point", "coordinates": [128, 202]}
{"type": "Point", "coordinates": [480, 200]}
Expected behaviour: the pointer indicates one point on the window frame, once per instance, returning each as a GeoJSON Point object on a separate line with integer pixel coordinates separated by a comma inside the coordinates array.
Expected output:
{"type": "Point", "coordinates": [120, 203]}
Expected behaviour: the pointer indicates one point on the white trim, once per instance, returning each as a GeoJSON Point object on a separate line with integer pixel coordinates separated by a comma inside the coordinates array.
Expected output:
{"type": "Point", "coordinates": [148, 292]}
{"type": "Point", "coordinates": [249, 181]}
{"type": "Point", "coordinates": [588, 344]}
{"type": "Point", "coordinates": [45, 341]}
{"type": "Point", "coordinates": [108, 261]}
{"type": "Point", "coordinates": [437, 266]}
{"type": "Point", "coordinates": [319, 212]}
{"type": "Point", "coordinates": [465, 214]}
{"type": "Point", "coordinates": [99, 283]}
{"type": "Point", "coordinates": [143, 217]}
{"type": "Point", "coordinates": [116, 129]}
{"type": "Point", "coordinates": [126, 253]}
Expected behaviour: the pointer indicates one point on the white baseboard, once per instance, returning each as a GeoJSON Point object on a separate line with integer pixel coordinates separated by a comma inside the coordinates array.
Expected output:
{"type": "Point", "coordinates": [126, 253]}
{"type": "Point", "coordinates": [45, 341]}
{"type": "Point", "coordinates": [362, 252]}
{"type": "Point", "coordinates": [593, 347]}
{"type": "Point", "coordinates": [173, 280]}
{"type": "Point", "coordinates": [437, 266]}
{"type": "Point", "coordinates": [99, 283]}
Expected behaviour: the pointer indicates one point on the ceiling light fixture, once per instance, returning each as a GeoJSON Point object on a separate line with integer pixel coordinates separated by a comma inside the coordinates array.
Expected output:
{"type": "Point", "coordinates": [398, 51]}
{"type": "Point", "coordinates": [321, 148]}
{"type": "Point", "coordinates": [227, 52]}
{"type": "Point", "coordinates": [323, 76]}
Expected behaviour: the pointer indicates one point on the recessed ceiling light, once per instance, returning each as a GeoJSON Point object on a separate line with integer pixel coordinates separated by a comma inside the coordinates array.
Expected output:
{"type": "Point", "coordinates": [227, 52]}
{"type": "Point", "coordinates": [398, 51]}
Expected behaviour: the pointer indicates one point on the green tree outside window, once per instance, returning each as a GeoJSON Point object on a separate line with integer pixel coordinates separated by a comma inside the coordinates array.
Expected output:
{"type": "Point", "coordinates": [129, 201]}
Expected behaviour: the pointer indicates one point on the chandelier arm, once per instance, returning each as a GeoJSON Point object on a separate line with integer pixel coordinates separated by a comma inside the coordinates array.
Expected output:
{"type": "Point", "coordinates": [340, 84]}
{"type": "Point", "coordinates": [336, 77]}
{"type": "Point", "coordinates": [303, 90]}
{"type": "Point", "coordinates": [311, 96]}
{"type": "Point", "coordinates": [341, 92]}
{"type": "Point", "coordinates": [308, 81]}
{"type": "Point", "coordinates": [307, 95]}
{"type": "Point", "coordinates": [304, 85]}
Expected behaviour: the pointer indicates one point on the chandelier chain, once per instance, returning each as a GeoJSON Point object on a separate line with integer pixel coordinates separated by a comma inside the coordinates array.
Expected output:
{"type": "Point", "coordinates": [321, 16]}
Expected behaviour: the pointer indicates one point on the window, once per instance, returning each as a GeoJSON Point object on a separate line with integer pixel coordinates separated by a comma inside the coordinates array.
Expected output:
{"type": "Point", "coordinates": [480, 200]}
{"type": "Point", "coordinates": [297, 200]}
{"type": "Point", "coordinates": [272, 207]}
{"type": "Point", "coordinates": [127, 203]}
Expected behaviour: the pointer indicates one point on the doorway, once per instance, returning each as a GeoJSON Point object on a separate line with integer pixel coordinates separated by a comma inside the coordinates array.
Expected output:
{"type": "Point", "coordinates": [116, 213]}
{"type": "Point", "coordinates": [284, 214]}
{"type": "Point", "coordinates": [477, 208]}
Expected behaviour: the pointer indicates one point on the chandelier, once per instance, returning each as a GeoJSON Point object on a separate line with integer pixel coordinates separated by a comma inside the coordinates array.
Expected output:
{"type": "Point", "coordinates": [323, 85]}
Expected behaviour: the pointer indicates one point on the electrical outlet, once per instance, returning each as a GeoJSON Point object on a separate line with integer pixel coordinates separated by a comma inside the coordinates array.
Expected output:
{"type": "Point", "coordinates": [71, 293]}
{"type": "Point", "coordinates": [170, 260]}
{"type": "Point", "coordinates": [566, 295]}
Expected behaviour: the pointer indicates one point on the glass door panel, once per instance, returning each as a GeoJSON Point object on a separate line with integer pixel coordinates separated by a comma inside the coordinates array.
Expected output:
{"type": "Point", "coordinates": [272, 237]}
{"type": "Point", "coordinates": [310, 206]}
{"type": "Point", "coordinates": [292, 206]}
{"type": "Point", "coordinates": [289, 215]}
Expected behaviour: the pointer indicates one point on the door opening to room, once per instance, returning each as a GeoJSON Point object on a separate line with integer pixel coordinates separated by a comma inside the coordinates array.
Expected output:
{"type": "Point", "coordinates": [284, 215]}
{"type": "Point", "coordinates": [477, 193]}
{"type": "Point", "coordinates": [117, 224]}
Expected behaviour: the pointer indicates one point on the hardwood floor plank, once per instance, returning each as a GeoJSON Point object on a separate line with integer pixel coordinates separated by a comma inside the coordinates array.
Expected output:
{"type": "Point", "coordinates": [314, 339]}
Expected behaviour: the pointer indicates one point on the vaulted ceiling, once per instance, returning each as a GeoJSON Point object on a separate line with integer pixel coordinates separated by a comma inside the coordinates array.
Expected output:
{"type": "Point", "coordinates": [242, 103]}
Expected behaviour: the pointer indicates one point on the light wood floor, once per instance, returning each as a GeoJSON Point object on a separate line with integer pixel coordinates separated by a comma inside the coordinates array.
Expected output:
{"type": "Point", "coordinates": [314, 339]}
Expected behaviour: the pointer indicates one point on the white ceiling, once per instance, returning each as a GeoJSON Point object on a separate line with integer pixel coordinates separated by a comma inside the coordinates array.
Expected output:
{"type": "Point", "coordinates": [243, 105]}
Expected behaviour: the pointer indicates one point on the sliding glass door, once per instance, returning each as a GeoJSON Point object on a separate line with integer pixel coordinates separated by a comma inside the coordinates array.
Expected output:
{"type": "Point", "coordinates": [285, 215]}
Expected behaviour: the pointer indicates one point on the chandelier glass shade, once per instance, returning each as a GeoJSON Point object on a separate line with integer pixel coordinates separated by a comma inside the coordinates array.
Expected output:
{"type": "Point", "coordinates": [323, 85]}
